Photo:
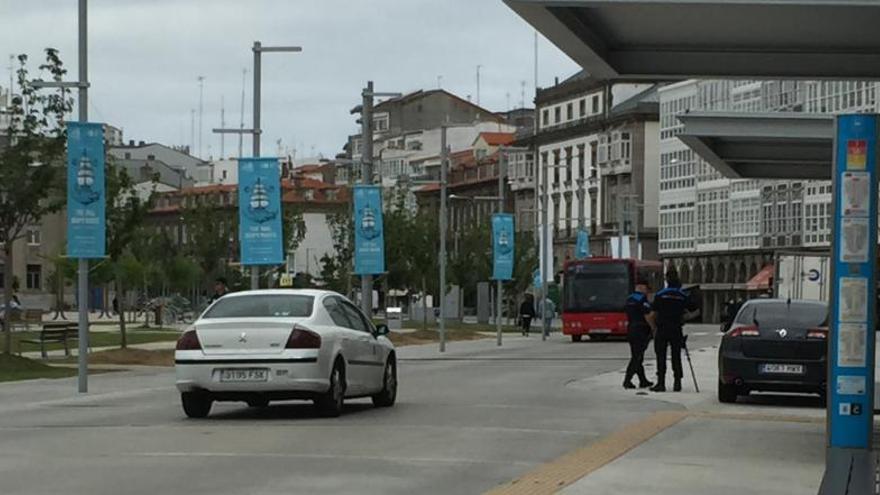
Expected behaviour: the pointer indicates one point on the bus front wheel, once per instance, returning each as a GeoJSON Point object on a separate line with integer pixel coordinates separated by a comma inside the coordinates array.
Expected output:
{"type": "Point", "coordinates": [576, 338]}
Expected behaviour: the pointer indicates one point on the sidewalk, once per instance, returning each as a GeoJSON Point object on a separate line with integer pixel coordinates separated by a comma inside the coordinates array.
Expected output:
{"type": "Point", "coordinates": [764, 444]}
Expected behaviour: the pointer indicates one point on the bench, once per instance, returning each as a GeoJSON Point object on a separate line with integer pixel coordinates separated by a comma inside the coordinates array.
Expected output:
{"type": "Point", "coordinates": [25, 318]}
{"type": "Point", "coordinates": [51, 333]}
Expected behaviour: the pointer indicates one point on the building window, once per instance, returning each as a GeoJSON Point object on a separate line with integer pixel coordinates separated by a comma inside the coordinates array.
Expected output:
{"type": "Point", "coordinates": [545, 117]}
{"type": "Point", "coordinates": [595, 104]}
{"type": "Point", "coordinates": [557, 115]}
{"type": "Point", "coordinates": [224, 174]}
{"type": "Point", "coordinates": [569, 111]}
{"type": "Point", "coordinates": [151, 157]}
{"type": "Point", "coordinates": [34, 237]}
{"type": "Point", "coordinates": [34, 277]}
{"type": "Point", "coordinates": [582, 106]}
{"type": "Point", "coordinates": [581, 161]}
{"type": "Point", "coordinates": [309, 194]}
{"type": "Point", "coordinates": [128, 155]}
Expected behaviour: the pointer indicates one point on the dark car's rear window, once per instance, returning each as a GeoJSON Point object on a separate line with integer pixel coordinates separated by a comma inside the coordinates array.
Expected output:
{"type": "Point", "coordinates": [262, 306]}
{"type": "Point", "coordinates": [797, 314]}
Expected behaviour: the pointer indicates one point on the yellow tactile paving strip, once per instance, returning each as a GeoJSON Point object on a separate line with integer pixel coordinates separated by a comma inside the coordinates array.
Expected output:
{"type": "Point", "coordinates": [557, 474]}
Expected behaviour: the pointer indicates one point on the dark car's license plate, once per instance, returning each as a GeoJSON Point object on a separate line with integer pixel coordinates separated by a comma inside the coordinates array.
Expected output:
{"type": "Point", "coordinates": [781, 369]}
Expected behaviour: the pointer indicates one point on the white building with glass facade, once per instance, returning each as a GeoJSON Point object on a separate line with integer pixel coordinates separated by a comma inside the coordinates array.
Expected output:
{"type": "Point", "coordinates": [721, 233]}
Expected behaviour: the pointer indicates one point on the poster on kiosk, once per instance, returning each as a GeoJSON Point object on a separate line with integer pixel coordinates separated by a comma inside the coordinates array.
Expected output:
{"type": "Point", "coordinates": [854, 252]}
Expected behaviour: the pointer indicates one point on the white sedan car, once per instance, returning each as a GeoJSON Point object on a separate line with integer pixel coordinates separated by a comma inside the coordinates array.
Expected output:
{"type": "Point", "coordinates": [265, 345]}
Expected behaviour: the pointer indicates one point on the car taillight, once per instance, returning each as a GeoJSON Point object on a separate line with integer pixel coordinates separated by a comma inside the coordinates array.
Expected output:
{"type": "Point", "coordinates": [300, 338]}
{"type": "Point", "coordinates": [743, 332]}
{"type": "Point", "coordinates": [817, 333]}
{"type": "Point", "coordinates": [189, 341]}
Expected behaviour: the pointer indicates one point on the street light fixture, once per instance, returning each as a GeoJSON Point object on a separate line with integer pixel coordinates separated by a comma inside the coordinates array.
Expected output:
{"type": "Point", "coordinates": [82, 84]}
{"type": "Point", "coordinates": [256, 130]}
{"type": "Point", "coordinates": [366, 111]}
{"type": "Point", "coordinates": [444, 165]}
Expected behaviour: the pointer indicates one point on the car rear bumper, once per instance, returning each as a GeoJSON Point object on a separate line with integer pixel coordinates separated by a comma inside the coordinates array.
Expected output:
{"type": "Point", "coordinates": [737, 369]}
{"type": "Point", "coordinates": [288, 375]}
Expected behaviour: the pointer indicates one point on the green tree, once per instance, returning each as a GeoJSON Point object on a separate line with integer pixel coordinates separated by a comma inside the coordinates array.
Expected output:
{"type": "Point", "coordinates": [210, 230]}
{"type": "Point", "coordinates": [471, 258]}
{"type": "Point", "coordinates": [336, 268]}
{"type": "Point", "coordinates": [126, 212]}
{"type": "Point", "coordinates": [31, 162]}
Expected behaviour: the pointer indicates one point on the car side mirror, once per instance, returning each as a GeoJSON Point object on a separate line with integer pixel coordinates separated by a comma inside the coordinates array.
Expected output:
{"type": "Point", "coordinates": [382, 329]}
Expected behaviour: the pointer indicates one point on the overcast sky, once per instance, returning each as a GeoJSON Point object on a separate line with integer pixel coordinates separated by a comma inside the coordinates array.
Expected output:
{"type": "Point", "coordinates": [145, 57]}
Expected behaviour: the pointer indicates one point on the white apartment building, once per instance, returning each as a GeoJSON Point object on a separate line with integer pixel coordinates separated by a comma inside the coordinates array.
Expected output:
{"type": "Point", "coordinates": [720, 233]}
{"type": "Point", "coordinates": [599, 144]}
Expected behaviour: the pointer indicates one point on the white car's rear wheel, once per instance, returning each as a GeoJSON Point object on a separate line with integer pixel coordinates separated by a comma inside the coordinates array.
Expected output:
{"type": "Point", "coordinates": [331, 403]}
{"type": "Point", "coordinates": [196, 405]}
{"type": "Point", "coordinates": [388, 395]}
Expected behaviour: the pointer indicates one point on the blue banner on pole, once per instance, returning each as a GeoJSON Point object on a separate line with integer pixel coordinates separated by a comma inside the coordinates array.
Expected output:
{"type": "Point", "coordinates": [86, 199]}
{"type": "Point", "coordinates": [502, 246]}
{"type": "Point", "coordinates": [536, 279]}
{"type": "Point", "coordinates": [582, 249]}
{"type": "Point", "coordinates": [369, 233]}
{"type": "Point", "coordinates": [259, 211]}
{"type": "Point", "coordinates": [854, 251]}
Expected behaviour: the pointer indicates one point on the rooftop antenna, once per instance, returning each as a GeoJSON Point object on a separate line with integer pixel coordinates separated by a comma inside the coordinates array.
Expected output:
{"type": "Point", "coordinates": [201, 80]}
{"type": "Point", "coordinates": [192, 130]}
{"type": "Point", "coordinates": [222, 126]}
{"type": "Point", "coordinates": [522, 94]}
{"type": "Point", "coordinates": [478, 84]}
{"type": "Point", "coordinates": [11, 77]}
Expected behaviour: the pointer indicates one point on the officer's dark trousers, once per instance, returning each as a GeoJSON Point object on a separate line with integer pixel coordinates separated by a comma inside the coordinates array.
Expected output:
{"type": "Point", "coordinates": [638, 343]}
{"type": "Point", "coordinates": [668, 338]}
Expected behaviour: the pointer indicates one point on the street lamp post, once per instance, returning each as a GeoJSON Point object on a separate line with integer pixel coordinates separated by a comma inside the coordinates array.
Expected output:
{"type": "Point", "coordinates": [366, 111]}
{"type": "Point", "coordinates": [256, 131]}
{"type": "Point", "coordinates": [82, 84]}
{"type": "Point", "coordinates": [444, 158]}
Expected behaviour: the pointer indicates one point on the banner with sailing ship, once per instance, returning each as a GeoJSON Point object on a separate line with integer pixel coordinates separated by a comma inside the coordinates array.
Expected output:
{"type": "Point", "coordinates": [259, 211]}
{"type": "Point", "coordinates": [369, 235]}
{"type": "Point", "coordinates": [86, 202]}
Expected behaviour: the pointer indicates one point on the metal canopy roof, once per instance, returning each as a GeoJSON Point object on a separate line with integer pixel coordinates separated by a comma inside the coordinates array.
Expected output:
{"type": "Point", "coordinates": [762, 146]}
{"type": "Point", "coordinates": [671, 39]}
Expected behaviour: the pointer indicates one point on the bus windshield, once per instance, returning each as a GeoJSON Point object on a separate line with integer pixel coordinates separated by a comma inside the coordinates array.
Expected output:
{"type": "Point", "coordinates": [597, 287]}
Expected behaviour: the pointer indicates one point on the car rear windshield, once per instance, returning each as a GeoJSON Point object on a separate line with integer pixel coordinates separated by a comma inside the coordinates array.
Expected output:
{"type": "Point", "coordinates": [780, 314]}
{"type": "Point", "coordinates": [262, 306]}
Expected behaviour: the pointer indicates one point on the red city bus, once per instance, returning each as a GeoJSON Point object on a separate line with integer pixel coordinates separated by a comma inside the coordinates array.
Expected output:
{"type": "Point", "coordinates": [594, 292]}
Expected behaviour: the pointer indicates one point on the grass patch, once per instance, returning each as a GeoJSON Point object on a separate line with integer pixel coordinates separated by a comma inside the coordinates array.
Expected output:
{"type": "Point", "coordinates": [430, 336]}
{"type": "Point", "coordinates": [139, 357]}
{"type": "Point", "coordinates": [13, 368]}
{"type": "Point", "coordinates": [464, 327]}
{"type": "Point", "coordinates": [96, 339]}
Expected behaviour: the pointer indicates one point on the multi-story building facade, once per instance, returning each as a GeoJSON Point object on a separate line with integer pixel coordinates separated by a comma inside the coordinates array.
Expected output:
{"type": "Point", "coordinates": [598, 143]}
{"type": "Point", "coordinates": [721, 233]}
{"type": "Point", "coordinates": [407, 136]}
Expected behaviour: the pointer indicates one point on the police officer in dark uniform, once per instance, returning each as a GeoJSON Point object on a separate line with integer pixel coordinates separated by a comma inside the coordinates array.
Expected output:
{"type": "Point", "coordinates": [638, 334]}
{"type": "Point", "coordinates": [670, 306]}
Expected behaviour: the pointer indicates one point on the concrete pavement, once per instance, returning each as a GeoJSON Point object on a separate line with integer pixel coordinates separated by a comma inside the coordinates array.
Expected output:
{"type": "Point", "coordinates": [467, 421]}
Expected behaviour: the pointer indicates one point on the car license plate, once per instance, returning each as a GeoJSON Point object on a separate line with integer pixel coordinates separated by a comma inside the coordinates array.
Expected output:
{"type": "Point", "coordinates": [600, 330]}
{"type": "Point", "coordinates": [244, 375]}
{"type": "Point", "coordinates": [783, 369]}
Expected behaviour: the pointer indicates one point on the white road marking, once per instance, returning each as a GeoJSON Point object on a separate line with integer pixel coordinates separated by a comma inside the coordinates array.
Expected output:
{"type": "Point", "coordinates": [419, 460]}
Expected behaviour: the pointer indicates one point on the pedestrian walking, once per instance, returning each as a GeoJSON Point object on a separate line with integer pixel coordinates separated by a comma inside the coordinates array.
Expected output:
{"type": "Point", "coordinates": [547, 310]}
{"type": "Point", "coordinates": [670, 306]}
{"type": "Point", "coordinates": [220, 289]}
{"type": "Point", "coordinates": [526, 314]}
{"type": "Point", "coordinates": [639, 317]}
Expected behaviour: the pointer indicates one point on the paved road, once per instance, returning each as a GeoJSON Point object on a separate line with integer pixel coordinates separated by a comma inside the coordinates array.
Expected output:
{"type": "Point", "coordinates": [465, 422]}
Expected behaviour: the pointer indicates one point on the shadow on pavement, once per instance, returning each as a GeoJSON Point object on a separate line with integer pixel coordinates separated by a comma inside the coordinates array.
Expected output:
{"type": "Point", "coordinates": [782, 400]}
{"type": "Point", "coordinates": [280, 411]}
